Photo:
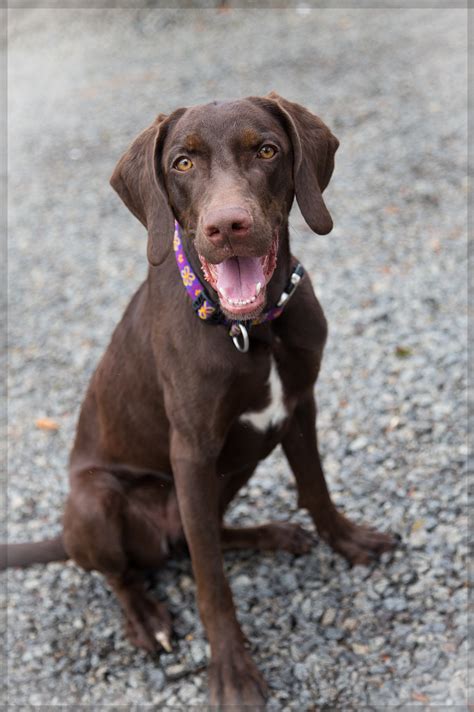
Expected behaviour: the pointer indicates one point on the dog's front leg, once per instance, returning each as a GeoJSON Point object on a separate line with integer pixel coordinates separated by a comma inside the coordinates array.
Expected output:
{"type": "Point", "coordinates": [359, 544]}
{"type": "Point", "coordinates": [233, 676]}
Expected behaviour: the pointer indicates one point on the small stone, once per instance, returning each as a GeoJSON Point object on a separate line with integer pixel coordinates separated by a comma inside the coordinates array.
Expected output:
{"type": "Point", "coordinates": [35, 699]}
{"type": "Point", "coordinates": [197, 650]}
{"type": "Point", "coordinates": [187, 693]}
{"type": "Point", "coordinates": [289, 581]}
{"type": "Point", "coordinates": [75, 154]}
{"type": "Point", "coordinates": [306, 607]}
{"type": "Point", "coordinates": [134, 679]}
{"type": "Point", "coordinates": [241, 581]}
{"type": "Point", "coordinates": [380, 586]}
{"type": "Point", "coordinates": [174, 672]}
{"type": "Point", "coordinates": [186, 583]}
{"type": "Point", "coordinates": [418, 538]}
{"type": "Point", "coordinates": [333, 633]}
{"type": "Point", "coordinates": [360, 649]}
{"type": "Point", "coordinates": [359, 443]}
{"type": "Point", "coordinates": [156, 678]}
{"type": "Point", "coordinates": [377, 642]}
{"type": "Point", "coordinates": [396, 604]}
{"type": "Point", "coordinates": [350, 624]}
{"type": "Point", "coordinates": [16, 502]}
{"type": "Point", "coordinates": [300, 672]}
{"type": "Point", "coordinates": [329, 616]}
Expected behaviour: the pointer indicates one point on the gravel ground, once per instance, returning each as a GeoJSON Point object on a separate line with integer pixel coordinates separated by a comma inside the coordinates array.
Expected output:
{"type": "Point", "coordinates": [391, 278]}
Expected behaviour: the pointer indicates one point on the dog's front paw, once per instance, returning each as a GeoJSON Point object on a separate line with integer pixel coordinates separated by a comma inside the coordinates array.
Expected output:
{"type": "Point", "coordinates": [235, 681]}
{"type": "Point", "coordinates": [359, 544]}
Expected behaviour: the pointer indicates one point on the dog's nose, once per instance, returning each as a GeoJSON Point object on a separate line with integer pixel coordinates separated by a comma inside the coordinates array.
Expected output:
{"type": "Point", "coordinates": [223, 224]}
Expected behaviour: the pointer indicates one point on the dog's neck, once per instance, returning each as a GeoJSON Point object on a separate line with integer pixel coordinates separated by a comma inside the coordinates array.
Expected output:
{"type": "Point", "coordinates": [277, 282]}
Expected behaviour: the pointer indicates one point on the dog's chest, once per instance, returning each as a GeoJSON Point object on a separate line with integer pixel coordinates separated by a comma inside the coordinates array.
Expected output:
{"type": "Point", "coordinates": [273, 412]}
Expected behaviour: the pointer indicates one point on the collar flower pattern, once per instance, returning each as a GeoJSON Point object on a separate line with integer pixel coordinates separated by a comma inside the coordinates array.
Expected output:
{"type": "Point", "coordinates": [188, 276]}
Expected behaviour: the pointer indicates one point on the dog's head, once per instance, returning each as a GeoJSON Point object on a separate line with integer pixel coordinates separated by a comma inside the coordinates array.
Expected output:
{"type": "Point", "coordinates": [228, 172]}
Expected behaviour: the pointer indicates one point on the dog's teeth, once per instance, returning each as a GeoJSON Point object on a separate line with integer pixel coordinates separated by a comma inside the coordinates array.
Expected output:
{"type": "Point", "coordinates": [241, 302]}
{"type": "Point", "coordinates": [258, 288]}
{"type": "Point", "coordinates": [163, 640]}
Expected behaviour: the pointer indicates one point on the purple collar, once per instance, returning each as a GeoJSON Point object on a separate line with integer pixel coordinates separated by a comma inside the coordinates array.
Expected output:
{"type": "Point", "coordinates": [209, 311]}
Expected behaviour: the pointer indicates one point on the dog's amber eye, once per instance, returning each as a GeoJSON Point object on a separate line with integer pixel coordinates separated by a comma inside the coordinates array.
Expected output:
{"type": "Point", "coordinates": [183, 164]}
{"type": "Point", "coordinates": [266, 152]}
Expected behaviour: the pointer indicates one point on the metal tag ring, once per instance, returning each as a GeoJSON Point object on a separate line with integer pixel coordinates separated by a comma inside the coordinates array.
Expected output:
{"type": "Point", "coordinates": [244, 346]}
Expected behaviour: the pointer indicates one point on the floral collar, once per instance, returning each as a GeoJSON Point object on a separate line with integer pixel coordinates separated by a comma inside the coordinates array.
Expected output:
{"type": "Point", "coordinates": [210, 312]}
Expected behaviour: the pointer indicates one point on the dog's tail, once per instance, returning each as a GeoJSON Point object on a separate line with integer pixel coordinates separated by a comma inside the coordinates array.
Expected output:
{"type": "Point", "coordinates": [35, 552]}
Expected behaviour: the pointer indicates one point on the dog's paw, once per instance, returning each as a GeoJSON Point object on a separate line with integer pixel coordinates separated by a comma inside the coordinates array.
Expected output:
{"type": "Point", "coordinates": [290, 537]}
{"type": "Point", "coordinates": [235, 681]}
{"type": "Point", "coordinates": [359, 544]}
{"type": "Point", "coordinates": [148, 626]}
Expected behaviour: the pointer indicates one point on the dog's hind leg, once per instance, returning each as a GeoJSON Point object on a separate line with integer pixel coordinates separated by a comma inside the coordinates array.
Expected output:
{"type": "Point", "coordinates": [273, 536]}
{"type": "Point", "coordinates": [147, 622]}
{"type": "Point", "coordinates": [109, 528]}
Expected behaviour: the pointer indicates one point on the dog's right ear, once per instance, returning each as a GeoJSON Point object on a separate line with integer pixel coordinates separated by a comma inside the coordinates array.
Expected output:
{"type": "Point", "coordinates": [137, 181]}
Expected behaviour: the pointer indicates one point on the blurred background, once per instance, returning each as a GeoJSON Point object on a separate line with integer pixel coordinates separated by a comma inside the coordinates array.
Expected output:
{"type": "Point", "coordinates": [391, 277]}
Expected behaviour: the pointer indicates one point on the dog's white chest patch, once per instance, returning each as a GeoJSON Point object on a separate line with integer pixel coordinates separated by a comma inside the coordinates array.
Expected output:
{"type": "Point", "coordinates": [275, 412]}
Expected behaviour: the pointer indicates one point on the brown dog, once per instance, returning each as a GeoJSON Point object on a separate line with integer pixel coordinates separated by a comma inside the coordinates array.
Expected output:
{"type": "Point", "coordinates": [172, 394]}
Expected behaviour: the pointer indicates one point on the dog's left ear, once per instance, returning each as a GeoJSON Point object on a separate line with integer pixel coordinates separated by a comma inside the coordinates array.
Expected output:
{"type": "Point", "coordinates": [137, 181]}
{"type": "Point", "coordinates": [314, 147]}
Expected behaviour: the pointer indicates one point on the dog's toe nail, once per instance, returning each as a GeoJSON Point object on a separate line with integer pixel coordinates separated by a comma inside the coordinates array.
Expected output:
{"type": "Point", "coordinates": [163, 640]}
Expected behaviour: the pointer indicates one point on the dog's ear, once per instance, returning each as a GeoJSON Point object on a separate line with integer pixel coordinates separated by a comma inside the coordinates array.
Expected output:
{"type": "Point", "coordinates": [137, 180]}
{"type": "Point", "coordinates": [314, 147]}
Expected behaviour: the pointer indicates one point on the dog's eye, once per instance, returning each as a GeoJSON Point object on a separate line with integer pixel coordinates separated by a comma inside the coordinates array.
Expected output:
{"type": "Point", "coordinates": [183, 164]}
{"type": "Point", "coordinates": [266, 152]}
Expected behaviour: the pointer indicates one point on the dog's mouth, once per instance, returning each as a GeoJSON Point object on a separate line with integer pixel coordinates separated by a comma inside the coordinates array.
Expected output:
{"type": "Point", "coordinates": [241, 282]}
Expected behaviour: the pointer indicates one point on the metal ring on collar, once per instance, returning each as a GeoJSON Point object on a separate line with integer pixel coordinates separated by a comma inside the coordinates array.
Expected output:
{"type": "Point", "coordinates": [244, 346]}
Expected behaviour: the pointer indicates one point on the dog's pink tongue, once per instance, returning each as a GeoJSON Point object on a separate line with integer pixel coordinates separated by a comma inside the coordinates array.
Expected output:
{"type": "Point", "coordinates": [237, 277]}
